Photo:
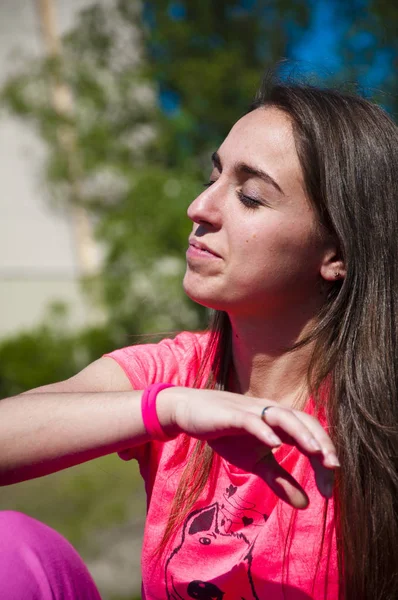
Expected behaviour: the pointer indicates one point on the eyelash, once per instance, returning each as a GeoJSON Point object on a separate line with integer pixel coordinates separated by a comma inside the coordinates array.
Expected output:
{"type": "Point", "coordinates": [247, 201]}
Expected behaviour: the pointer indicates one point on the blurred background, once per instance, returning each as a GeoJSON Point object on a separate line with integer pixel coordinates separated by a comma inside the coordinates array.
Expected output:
{"type": "Point", "coordinates": [109, 114]}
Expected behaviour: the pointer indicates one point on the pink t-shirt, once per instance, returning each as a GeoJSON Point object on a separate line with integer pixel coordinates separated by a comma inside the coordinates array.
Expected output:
{"type": "Point", "coordinates": [233, 544]}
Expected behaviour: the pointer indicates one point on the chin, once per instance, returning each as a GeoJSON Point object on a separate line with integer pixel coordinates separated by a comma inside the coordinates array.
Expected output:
{"type": "Point", "coordinates": [197, 292]}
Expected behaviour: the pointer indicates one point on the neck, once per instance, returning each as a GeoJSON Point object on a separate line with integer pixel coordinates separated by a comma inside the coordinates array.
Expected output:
{"type": "Point", "coordinates": [263, 366]}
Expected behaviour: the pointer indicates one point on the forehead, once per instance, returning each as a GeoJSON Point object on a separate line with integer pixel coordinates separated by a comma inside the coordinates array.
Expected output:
{"type": "Point", "coordinates": [264, 138]}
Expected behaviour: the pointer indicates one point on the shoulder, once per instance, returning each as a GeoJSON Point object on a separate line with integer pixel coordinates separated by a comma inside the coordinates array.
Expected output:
{"type": "Point", "coordinates": [175, 360]}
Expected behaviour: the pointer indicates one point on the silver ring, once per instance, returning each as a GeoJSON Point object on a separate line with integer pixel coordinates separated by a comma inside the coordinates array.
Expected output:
{"type": "Point", "coordinates": [263, 412]}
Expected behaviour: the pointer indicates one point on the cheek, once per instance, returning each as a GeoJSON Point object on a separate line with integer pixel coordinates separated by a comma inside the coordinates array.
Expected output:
{"type": "Point", "coordinates": [257, 244]}
{"type": "Point", "coordinates": [249, 238]}
{"type": "Point", "coordinates": [280, 247]}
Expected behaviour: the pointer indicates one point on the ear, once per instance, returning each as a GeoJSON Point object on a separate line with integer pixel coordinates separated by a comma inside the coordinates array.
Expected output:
{"type": "Point", "coordinates": [332, 267]}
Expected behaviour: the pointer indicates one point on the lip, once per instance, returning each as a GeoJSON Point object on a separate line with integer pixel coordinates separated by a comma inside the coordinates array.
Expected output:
{"type": "Point", "coordinates": [197, 248]}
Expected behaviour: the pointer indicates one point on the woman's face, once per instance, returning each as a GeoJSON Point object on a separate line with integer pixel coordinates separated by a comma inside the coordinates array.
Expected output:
{"type": "Point", "coordinates": [256, 218]}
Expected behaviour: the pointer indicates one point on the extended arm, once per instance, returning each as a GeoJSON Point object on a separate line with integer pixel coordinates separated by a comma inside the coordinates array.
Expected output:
{"type": "Point", "coordinates": [96, 413]}
{"type": "Point", "coordinates": [66, 423]}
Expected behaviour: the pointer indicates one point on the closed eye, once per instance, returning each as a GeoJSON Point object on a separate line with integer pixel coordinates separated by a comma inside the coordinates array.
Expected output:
{"type": "Point", "coordinates": [247, 201]}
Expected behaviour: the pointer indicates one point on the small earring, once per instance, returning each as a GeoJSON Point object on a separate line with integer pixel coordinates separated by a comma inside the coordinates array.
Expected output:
{"type": "Point", "coordinates": [337, 274]}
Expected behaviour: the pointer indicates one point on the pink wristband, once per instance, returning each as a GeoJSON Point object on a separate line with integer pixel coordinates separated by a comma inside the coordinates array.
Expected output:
{"type": "Point", "coordinates": [149, 414]}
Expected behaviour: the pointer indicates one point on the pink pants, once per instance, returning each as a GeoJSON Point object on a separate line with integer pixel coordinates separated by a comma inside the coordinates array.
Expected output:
{"type": "Point", "coordinates": [37, 563]}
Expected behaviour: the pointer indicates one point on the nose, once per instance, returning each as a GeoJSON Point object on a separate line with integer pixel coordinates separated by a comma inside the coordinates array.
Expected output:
{"type": "Point", "coordinates": [206, 208]}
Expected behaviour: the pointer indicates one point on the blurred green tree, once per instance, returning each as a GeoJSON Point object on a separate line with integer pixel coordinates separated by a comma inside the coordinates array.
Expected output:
{"type": "Point", "coordinates": [154, 89]}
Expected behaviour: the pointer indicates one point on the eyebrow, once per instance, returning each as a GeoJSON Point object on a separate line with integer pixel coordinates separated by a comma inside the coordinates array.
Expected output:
{"type": "Point", "coordinates": [249, 170]}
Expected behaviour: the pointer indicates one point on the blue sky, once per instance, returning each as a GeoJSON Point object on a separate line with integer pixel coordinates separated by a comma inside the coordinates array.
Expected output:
{"type": "Point", "coordinates": [318, 50]}
{"type": "Point", "coordinates": [319, 47]}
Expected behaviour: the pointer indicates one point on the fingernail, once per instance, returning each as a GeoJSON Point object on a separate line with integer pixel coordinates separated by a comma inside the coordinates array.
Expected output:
{"type": "Point", "coordinates": [314, 444]}
{"type": "Point", "coordinates": [332, 460]}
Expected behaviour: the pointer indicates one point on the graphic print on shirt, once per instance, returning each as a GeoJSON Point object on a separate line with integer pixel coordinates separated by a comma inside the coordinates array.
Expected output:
{"type": "Point", "coordinates": [209, 534]}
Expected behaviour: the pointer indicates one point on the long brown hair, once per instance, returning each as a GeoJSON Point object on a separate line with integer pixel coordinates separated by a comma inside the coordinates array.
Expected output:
{"type": "Point", "coordinates": [348, 150]}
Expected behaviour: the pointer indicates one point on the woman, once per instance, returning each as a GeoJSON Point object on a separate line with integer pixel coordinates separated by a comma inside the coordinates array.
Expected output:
{"type": "Point", "coordinates": [294, 247]}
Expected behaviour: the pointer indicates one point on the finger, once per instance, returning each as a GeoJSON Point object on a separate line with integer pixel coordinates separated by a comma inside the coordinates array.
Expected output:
{"type": "Point", "coordinates": [330, 459]}
{"type": "Point", "coordinates": [291, 429]}
{"type": "Point", "coordinates": [324, 478]}
{"type": "Point", "coordinates": [255, 426]}
{"type": "Point", "coordinates": [281, 482]}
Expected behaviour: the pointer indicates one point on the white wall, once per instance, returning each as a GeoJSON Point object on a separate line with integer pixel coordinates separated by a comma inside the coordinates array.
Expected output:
{"type": "Point", "coordinates": [37, 262]}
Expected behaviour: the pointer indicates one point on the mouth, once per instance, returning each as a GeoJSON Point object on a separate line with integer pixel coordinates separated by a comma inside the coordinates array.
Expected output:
{"type": "Point", "coordinates": [200, 248]}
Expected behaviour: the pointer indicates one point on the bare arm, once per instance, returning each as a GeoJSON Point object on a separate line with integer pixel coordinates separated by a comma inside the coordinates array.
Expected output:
{"type": "Point", "coordinates": [66, 423]}
{"type": "Point", "coordinates": [96, 413]}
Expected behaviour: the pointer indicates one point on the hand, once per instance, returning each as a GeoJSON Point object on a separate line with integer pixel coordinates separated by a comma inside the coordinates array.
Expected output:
{"type": "Point", "coordinates": [232, 422]}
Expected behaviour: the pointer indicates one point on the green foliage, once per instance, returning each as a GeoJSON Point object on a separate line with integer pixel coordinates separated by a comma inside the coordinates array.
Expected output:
{"type": "Point", "coordinates": [45, 354]}
{"type": "Point", "coordinates": [50, 352]}
{"type": "Point", "coordinates": [134, 167]}
{"type": "Point", "coordinates": [212, 61]}
{"type": "Point", "coordinates": [82, 500]}
{"type": "Point", "coordinates": [88, 504]}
